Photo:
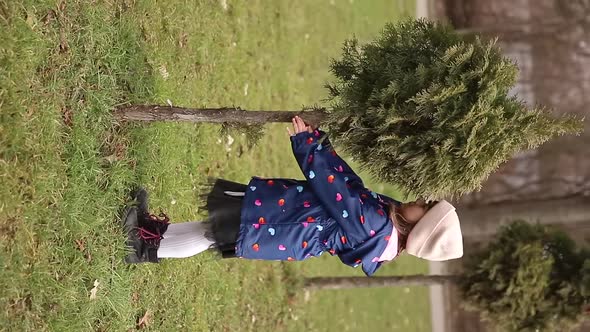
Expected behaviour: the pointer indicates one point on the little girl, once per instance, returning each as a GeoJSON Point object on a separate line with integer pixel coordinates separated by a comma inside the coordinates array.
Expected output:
{"type": "Point", "coordinates": [287, 219]}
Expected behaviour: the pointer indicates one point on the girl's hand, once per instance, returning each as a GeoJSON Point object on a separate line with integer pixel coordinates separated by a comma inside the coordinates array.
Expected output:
{"type": "Point", "coordinates": [299, 126]}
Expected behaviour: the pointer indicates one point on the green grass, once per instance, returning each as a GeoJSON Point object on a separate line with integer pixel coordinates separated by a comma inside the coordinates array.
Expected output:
{"type": "Point", "coordinates": [66, 166]}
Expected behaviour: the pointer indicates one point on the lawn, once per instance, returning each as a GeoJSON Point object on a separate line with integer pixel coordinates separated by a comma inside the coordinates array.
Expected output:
{"type": "Point", "coordinates": [66, 166]}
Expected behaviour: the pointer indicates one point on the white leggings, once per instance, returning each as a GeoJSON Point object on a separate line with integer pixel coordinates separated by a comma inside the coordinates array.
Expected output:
{"type": "Point", "coordinates": [186, 239]}
{"type": "Point", "coordinates": [183, 240]}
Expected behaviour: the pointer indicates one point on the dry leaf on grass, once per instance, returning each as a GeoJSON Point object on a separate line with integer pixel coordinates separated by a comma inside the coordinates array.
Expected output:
{"type": "Point", "coordinates": [63, 42]}
{"type": "Point", "coordinates": [67, 116]}
{"type": "Point", "coordinates": [307, 296]}
{"type": "Point", "coordinates": [164, 72]}
{"type": "Point", "coordinates": [183, 39]}
{"type": "Point", "coordinates": [223, 4]}
{"type": "Point", "coordinates": [145, 320]}
{"type": "Point", "coordinates": [94, 290]}
{"type": "Point", "coordinates": [80, 245]}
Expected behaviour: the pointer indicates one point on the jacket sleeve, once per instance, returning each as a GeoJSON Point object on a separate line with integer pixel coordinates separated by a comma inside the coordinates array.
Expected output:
{"type": "Point", "coordinates": [333, 182]}
{"type": "Point", "coordinates": [362, 255]}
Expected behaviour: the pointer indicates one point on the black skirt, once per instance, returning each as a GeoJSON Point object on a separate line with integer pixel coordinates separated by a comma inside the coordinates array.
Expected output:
{"type": "Point", "coordinates": [224, 212]}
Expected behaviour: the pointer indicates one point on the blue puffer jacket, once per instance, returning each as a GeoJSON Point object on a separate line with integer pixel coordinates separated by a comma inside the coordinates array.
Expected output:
{"type": "Point", "coordinates": [287, 219]}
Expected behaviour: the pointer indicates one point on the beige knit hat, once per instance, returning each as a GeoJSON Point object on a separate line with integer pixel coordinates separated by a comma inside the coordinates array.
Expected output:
{"type": "Point", "coordinates": [437, 236]}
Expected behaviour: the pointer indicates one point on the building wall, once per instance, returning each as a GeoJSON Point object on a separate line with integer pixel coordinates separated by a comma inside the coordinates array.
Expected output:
{"type": "Point", "coordinates": [550, 42]}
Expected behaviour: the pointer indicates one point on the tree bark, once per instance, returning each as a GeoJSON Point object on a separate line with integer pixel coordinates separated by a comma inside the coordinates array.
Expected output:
{"type": "Point", "coordinates": [150, 113]}
{"type": "Point", "coordinates": [397, 281]}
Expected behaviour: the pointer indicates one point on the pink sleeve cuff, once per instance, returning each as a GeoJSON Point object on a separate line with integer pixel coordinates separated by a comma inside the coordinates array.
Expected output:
{"type": "Point", "coordinates": [391, 249]}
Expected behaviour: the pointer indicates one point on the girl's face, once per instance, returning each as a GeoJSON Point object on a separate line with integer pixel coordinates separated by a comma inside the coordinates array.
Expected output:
{"type": "Point", "coordinates": [412, 212]}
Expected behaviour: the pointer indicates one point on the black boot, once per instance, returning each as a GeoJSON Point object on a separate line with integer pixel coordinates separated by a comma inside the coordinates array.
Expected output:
{"type": "Point", "coordinates": [140, 196]}
{"type": "Point", "coordinates": [131, 225]}
{"type": "Point", "coordinates": [144, 231]}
